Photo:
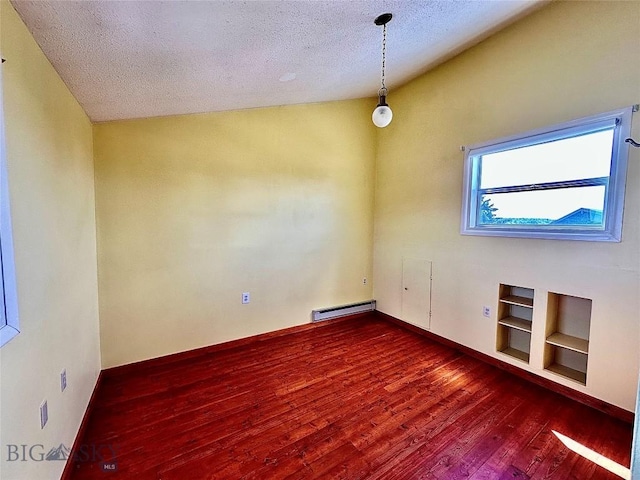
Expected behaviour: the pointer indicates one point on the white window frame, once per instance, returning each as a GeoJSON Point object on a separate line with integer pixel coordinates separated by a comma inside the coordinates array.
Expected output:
{"type": "Point", "coordinates": [611, 229]}
{"type": "Point", "coordinates": [9, 320]}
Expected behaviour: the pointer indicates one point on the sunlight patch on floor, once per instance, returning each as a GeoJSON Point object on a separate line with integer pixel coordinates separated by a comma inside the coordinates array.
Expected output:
{"type": "Point", "coordinates": [595, 457]}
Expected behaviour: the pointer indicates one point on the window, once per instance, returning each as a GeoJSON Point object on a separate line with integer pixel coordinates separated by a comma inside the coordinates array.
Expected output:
{"type": "Point", "coordinates": [8, 298]}
{"type": "Point", "coordinates": [562, 182]}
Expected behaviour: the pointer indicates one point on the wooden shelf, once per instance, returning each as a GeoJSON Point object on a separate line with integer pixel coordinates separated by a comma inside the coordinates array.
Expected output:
{"type": "Point", "coordinates": [576, 344]}
{"type": "Point", "coordinates": [520, 301]}
{"type": "Point", "coordinates": [567, 372]}
{"type": "Point", "coordinates": [519, 354]}
{"type": "Point", "coordinates": [566, 350]}
{"type": "Point", "coordinates": [517, 323]}
{"type": "Point", "coordinates": [515, 314]}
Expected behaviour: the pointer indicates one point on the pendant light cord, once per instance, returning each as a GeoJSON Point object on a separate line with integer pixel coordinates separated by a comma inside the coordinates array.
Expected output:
{"type": "Point", "coordinates": [384, 53]}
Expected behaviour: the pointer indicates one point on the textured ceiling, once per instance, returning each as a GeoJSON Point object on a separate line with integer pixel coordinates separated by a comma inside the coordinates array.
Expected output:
{"type": "Point", "coordinates": [132, 59]}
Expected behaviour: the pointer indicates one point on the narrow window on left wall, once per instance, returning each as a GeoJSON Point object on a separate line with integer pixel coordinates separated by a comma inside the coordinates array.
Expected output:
{"type": "Point", "coordinates": [9, 325]}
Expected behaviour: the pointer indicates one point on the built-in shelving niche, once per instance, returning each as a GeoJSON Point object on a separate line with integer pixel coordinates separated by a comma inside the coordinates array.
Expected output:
{"type": "Point", "coordinates": [566, 349]}
{"type": "Point", "coordinates": [515, 314]}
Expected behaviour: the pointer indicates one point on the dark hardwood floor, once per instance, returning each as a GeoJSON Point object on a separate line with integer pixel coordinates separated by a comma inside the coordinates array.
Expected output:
{"type": "Point", "coordinates": [360, 398]}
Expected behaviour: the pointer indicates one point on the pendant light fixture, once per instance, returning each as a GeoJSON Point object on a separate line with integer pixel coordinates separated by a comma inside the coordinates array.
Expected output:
{"type": "Point", "coordinates": [382, 115]}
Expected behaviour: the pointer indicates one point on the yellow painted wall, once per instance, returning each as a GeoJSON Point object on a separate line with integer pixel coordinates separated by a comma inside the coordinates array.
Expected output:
{"type": "Point", "coordinates": [51, 183]}
{"type": "Point", "coordinates": [194, 210]}
{"type": "Point", "coordinates": [566, 61]}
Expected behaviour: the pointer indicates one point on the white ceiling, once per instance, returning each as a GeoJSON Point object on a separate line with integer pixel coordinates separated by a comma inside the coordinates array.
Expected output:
{"type": "Point", "coordinates": [132, 59]}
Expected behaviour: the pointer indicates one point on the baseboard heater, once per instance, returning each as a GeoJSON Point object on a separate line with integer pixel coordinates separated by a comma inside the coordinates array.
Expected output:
{"type": "Point", "coordinates": [342, 310]}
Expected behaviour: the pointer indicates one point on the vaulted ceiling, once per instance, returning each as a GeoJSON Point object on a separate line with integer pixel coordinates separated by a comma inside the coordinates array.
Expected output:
{"type": "Point", "coordinates": [132, 59]}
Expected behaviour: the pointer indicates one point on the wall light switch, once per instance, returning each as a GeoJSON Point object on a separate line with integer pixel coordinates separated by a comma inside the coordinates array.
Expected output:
{"type": "Point", "coordinates": [44, 414]}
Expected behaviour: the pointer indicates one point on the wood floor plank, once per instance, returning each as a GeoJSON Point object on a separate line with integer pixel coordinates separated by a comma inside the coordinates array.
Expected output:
{"type": "Point", "coordinates": [321, 416]}
{"type": "Point", "coordinates": [440, 457]}
{"type": "Point", "coordinates": [355, 399]}
{"type": "Point", "coordinates": [524, 430]}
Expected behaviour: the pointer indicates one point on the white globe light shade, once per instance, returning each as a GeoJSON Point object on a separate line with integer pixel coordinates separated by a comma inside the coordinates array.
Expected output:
{"type": "Point", "coordinates": [382, 116]}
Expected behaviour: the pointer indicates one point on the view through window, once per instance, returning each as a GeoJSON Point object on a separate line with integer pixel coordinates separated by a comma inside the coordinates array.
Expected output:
{"type": "Point", "coordinates": [557, 183]}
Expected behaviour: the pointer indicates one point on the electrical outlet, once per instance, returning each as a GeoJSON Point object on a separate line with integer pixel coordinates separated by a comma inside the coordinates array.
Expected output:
{"type": "Point", "coordinates": [44, 414]}
{"type": "Point", "coordinates": [246, 297]}
{"type": "Point", "coordinates": [63, 380]}
{"type": "Point", "coordinates": [486, 311]}
{"type": "Point", "coordinates": [364, 281]}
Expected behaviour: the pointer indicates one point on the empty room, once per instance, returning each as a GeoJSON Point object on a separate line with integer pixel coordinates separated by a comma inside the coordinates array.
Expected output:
{"type": "Point", "coordinates": [287, 239]}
